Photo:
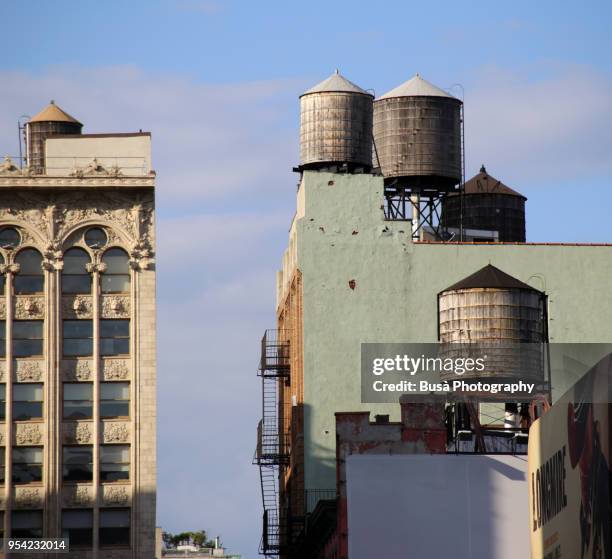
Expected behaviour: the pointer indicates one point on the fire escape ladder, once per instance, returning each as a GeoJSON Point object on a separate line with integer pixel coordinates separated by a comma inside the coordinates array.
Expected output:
{"type": "Point", "coordinates": [272, 448]}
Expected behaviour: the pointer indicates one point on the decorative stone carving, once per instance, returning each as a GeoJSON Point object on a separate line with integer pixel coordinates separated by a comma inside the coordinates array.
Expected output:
{"type": "Point", "coordinates": [8, 167]}
{"type": "Point", "coordinates": [96, 169]}
{"type": "Point", "coordinates": [73, 369]}
{"type": "Point", "coordinates": [99, 267]}
{"type": "Point", "coordinates": [28, 498]}
{"type": "Point", "coordinates": [27, 207]}
{"type": "Point", "coordinates": [116, 433]}
{"type": "Point", "coordinates": [79, 433]}
{"type": "Point", "coordinates": [77, 496]}
{"type": "Point", "coordinates": [115, 369]}
{"type": "Point", "coordinates": [116, 496]}
{"type": "Point", "coordinates": [115, 306]}
{"type": "Point", "coordinates": [3, 308]}
{"type": "Point", "coordinates": [28, 434]}
{"type": "Point", "coordinates": [2, 436]}
{"type": "Point", "coordinates": [51, 216]}
{"type": "Point", "coordinates": [77, 306]}
{"type": "Point", "coordinates": [28, 371]}
{"type": "Point", "coordinates": [99, 207]}
{"type": "Point", "coordinates": [2, 370]}
{"type": "Point", "coordinates": [27, 308]}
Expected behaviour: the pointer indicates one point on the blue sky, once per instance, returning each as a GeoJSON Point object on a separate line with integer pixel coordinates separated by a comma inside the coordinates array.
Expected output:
{"type": "Point", "coordinates": [217, 84]}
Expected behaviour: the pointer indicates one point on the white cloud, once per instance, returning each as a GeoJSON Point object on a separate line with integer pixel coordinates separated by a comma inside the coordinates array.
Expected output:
{"type": "Point", "coordinates": [557, 127]}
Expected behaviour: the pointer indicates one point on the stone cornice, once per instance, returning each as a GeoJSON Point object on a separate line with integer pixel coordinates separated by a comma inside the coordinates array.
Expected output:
{"type": "Point", "coordinates": [46, 181]}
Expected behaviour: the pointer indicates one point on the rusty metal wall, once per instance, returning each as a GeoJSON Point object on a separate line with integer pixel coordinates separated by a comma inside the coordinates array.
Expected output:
{"type": "Point", "coordinates": [501, 320]}
{"type": "Point", "coordinates": [336, 127]}
{"type": "Point", "coordinates": [38, 132]}
{"type": "Point", "coordinates": [419, 137]}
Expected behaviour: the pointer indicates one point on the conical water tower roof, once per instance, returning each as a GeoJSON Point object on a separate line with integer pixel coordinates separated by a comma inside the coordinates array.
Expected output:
{"type": "Point", "coordinates": [52, 113]}
{"type": "Point", "coordinates": [483, 183]}
{"type": "Point", "coordinates": [416, 87]}
{"type": "Point", "coordinates": [336, 82]}
{"type": "Point", "coordinates": [490, 277]}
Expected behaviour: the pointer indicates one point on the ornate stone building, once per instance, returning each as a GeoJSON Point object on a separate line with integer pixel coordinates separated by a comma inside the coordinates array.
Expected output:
{"type": "Point", "coordinates": [77, 354]}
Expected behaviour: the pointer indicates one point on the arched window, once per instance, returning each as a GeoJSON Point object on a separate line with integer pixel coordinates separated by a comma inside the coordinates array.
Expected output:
{"type": "Point", "coordinates": [30, 278]}
{"type": "Point", "coordinates": [9, 237]}
{"type": "Point", "coordinates": [116, 277]}
{"type": "Point", "coordinates": [95, 238]}
{"type": "Point", "coordinates": [75, 277]}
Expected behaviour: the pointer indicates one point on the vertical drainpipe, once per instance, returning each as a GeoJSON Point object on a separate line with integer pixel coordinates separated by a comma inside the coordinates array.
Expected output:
{"type": "Point", "coordinates": [8, 473]}
{"type": "Point", "coordinates": [96, 409]}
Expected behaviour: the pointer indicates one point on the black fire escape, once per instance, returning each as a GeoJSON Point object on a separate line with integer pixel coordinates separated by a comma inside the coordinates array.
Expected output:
{"type": "Point", "coordinates": [273, 445]}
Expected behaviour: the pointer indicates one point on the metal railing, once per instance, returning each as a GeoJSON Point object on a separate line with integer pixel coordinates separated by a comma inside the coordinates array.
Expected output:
{"type": "Point", "coordinates": [68, 165]}
{"type": "Point", "coordinates": [274, 361]}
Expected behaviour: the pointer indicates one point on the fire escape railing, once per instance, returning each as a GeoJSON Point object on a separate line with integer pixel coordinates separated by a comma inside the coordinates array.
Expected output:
{"type": "Point", "coordinates": [273, 443]}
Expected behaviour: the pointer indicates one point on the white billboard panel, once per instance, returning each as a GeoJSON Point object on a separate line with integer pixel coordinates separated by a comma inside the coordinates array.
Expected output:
{"type": "Point", "coordinates": [435, 506]}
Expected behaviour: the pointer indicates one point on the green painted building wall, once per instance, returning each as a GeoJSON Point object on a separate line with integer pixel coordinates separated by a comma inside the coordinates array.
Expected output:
{"type": "Point", "coordinates": [341, 236]}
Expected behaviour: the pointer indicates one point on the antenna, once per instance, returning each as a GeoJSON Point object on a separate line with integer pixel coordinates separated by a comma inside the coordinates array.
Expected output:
{"type": "Point", "coordinates": [21, 136]}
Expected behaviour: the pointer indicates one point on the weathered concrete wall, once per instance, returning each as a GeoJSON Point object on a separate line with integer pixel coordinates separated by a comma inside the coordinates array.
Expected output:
{"type": "Point", "coordinates": [365, 281]}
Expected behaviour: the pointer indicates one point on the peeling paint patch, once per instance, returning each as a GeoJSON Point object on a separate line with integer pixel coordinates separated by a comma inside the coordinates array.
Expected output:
{"type": "Point", "coordinates": [331, 183]}
{"type": "Point", "coordinates": [355, 233]}
{"type": "Point", "coordinates": [352, 284]}
{"type": "Point", "coordinates": [322, 229]}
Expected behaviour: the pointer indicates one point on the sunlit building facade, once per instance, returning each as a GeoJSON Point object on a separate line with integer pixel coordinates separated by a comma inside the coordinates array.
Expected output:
{"type": "Point", "coordinates": [77, 322]}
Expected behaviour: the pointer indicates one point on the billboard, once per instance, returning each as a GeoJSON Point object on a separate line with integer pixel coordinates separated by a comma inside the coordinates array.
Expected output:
{"type": "Point", "coordinates": [464, 506]}
{"type": "Point", "coordinates": [569, 472]}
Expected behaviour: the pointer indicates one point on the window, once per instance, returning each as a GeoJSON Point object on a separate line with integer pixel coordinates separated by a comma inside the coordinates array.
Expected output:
{"type": "Point", "coordinates": [78, 402]}
{"type": "Point", "coordinates": [77, 526]}
{"type": "Point", "coordinates": [75, 277]}
{"type": "Point", "coordinates": [114, 527]}
{"type": "Point", "coordinates": [27, 338]}
{"type": "Point", "coordinates": [2, 402]}
{"type": "Point", "coordinates": [78, 338]}
{"type": "Point", "coordinates": [114, 337]}
{"type": "Point", "coordinates": [30, 278]}
{"type": "Point", "coordinates": [2, 527]}
{"type": "Point", "coordinates": [2, 465]}
{"type": "Point", "coordinates": [78, 463]}
{"type": "Point", "coordinates": [27, 401]}
{"type": "Point", "coordinates": [26, 524]}
{"type": "Point", "coordinates": [95, 238]}
{"type": "Point", "coordinates": [27, 464]}
{"type": "Point", "coordinates": [114, 462]}
{"type": "Point", "coordinates": [116, 277]}
{"type": "Point", "coordinates": [2, 277]}
{"type": "Point", "coordinates": [114, 399]}
{"type": "Point", "coordinates": [9, 237]}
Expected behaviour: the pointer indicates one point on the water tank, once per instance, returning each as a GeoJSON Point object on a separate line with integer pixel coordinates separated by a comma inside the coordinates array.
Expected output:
{"type": "Point", "coordinates": [487, 204]}
{"type": "Point", "coordinates": [497, 315]}
{"type": "Point", "coordinates": [417, 136]}
{"type": "Point", "coordinates": [51, 121]}
{"type": "Point", "coordinates": [336, 125]}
